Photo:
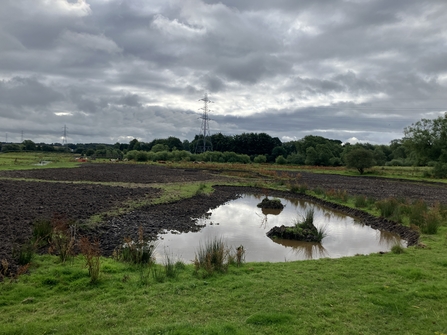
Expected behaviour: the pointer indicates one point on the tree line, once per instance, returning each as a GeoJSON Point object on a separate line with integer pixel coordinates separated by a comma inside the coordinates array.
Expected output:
{"type": "Point", "coordinates": [424, 144]}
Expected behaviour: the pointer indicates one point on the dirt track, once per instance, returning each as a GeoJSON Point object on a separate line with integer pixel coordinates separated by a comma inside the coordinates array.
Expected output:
{"type": "Point", "coordinates": [23, 202]}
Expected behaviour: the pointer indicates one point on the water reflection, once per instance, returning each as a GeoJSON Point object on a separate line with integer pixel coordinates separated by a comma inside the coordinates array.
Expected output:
{"type": "Point", "coordinates": [241, 222]}
{"type": "Point", "coordinates": [304, 250]}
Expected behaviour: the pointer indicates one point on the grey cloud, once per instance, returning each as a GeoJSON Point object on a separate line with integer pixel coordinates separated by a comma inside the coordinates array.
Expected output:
{"type": "Point", "coordinates": [20, 91]}
{"type": "Point", "coordinates": [118, 69]}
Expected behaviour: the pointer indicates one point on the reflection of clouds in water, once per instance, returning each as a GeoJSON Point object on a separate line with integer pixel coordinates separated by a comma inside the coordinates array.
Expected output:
{"type": "Point", "coordinates": [304, 250]}
{"type": "Point", "coordinates": [241, 222]}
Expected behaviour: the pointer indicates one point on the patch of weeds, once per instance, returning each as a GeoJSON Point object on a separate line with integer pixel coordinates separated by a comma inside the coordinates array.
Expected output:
{"type": "Point", "coordinates": [63, 238]}
{"type": "Point", "coordinates": [432, 223]}
{"type": "Point", "coordinates": [318, 191]}
{"type": "Point", "coordinates": [24, 253]}
{"type": "Point", "coordinates": [298, 188]}
{"type": "Point", "coordinates": [388, 207]}
{"type": "Point", "coordinates": [158, 273]}
{"type": "Point", "coordinates": [136, 252]}
{"type": "Point", "coordinates": [180, 266]}
{"type": "Point", "coordinates": [171, 271]}
{"type": "Point", "coordinates": [201, 189]}
{"type": "Point", "coordinates": [397, 249]}
{"type": "Point", "coordinates": [360, 201]}
{"type": "Point", "coordinates": [339, 195]}
{"type": "Point", "coordinates": [417, 213]}
{"type": "Point", "coordinates": [92, 252]}
{"type": "Point", "coordinates": [42, 231]}
{"type": "Point", "coordinates": [4, 268]}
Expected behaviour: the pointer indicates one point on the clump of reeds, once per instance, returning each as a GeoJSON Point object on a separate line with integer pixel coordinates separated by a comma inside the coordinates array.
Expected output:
{"type": "Point", "coordinates": [360, 201]}
{"type": "Point", "coordinates": [212, 256]}
{"type": "Point", "coordinates": [388, 207]}
{"type": "Point", "coordinates": [298, 188]}
{"type": "Point", "coordinates": [140, 251]}
{"type": "Point", "coordinates": [338, 195]}
{"type": "Point", "coordinates": [24, 252]}
{"type": "Point", "coordinates": [397, 249]}
{"type": "Point", "coordinates": [92, 252]}
{"type": "Point", "coordinates": [306, 226]}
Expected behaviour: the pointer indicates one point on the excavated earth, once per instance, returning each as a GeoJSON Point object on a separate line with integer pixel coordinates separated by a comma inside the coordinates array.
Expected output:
{"type": "Point", "coordinates": [71, 193]}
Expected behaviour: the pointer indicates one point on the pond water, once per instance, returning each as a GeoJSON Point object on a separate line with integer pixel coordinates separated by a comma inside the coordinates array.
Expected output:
{"type": "Point", "coordinates": [241, 222]}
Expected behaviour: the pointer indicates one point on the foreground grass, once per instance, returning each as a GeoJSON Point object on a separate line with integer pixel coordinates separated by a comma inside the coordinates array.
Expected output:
{"type": "Point", "coordinates": [375, 294]}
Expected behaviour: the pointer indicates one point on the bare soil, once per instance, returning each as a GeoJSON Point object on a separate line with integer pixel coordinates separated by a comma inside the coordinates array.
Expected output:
{"type": "Point", "coordinates": [24, 202]}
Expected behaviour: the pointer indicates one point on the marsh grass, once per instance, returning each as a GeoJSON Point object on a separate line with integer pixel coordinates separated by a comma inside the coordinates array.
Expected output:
{"type": "Point", "coordinates": [24, 253]}
{"type": "Point", "coordinates": [305, 226]}
{"type": "Point", "coordinates": [397, 249]}
{"type": "Point", "coordinates": [388, 207]}
{"type": "Point", "coordinates": [360, 201]}
{"type": "Point", "coordinates": [212, 256]}
{"type": "Point", "coordinates": [140, 251]}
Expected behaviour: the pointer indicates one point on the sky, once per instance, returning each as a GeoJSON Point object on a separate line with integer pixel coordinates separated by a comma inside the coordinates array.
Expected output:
{"type": "Point", "coordinates": [113, 70]}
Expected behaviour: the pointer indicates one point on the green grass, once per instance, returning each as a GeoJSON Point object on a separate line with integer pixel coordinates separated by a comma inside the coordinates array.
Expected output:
{"type": "Point", "coordinates": [377, 294]}
{"type": "Point", "coordinates": [28, 160]}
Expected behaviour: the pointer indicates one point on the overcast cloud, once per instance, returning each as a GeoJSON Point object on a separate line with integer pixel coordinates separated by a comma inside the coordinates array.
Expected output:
{"type": "Point", "coordinates": [114, 70]}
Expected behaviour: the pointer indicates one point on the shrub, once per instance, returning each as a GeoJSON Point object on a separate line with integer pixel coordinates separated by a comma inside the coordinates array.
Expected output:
{"type": "Point", "coordinates": [141, 156]}
{"type": "Point", "coordinates": [280, 160]}
{"type": "Point", "coordinates": [440, 170]}
{"type": "Point", "coordinates": [260, 159]}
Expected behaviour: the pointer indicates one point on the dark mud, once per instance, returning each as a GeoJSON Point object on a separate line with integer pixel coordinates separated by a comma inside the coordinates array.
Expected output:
{"type": "Point", "coordinates": [114, 173]}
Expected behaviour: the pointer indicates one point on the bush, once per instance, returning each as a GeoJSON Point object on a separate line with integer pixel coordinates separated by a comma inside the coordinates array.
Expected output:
{"type": "Point", "coordinates": [280, 160]}
{"type": "Point", "coordinates": [260, 159]}
{"type": "Point", "coordinates": [440, 170]}
{"type": "Point", "coordinates": [141, 156]}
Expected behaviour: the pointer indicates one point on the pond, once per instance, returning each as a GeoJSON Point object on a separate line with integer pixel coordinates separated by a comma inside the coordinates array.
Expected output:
{"type": "Point", "coordinates": [241, 222]}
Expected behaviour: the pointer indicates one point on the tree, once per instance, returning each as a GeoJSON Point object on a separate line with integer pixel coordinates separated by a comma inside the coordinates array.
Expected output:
{"type": "Point", "coordinates": [359, 159]}
{"type": "Point", "coordinates": [29, 145]}
{"type": "Point", "coordinates": [427, 139]}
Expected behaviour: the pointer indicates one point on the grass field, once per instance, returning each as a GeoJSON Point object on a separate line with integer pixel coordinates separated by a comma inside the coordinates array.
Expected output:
{"type": "Point", "coordinates": [27, 160]}
{"type": "Point", "coordinates": [376, 294]}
